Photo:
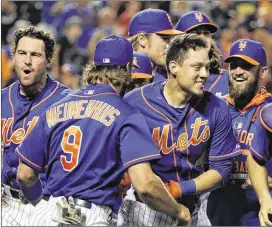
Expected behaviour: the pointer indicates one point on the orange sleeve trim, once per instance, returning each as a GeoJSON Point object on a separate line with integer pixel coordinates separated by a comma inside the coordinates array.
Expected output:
{"type": "Point", "coordinates": [171, 126]}
{"type": "Point", "coordinates": [226, 155]}
{"type": "Point", "coordinates": [88, 96]}
{"type": "Point", "coordinates": [46, 97]}
{"type": "Point", "coordinates": [255, 152]}
{"type": "Point", "coordinates": [137, 159]}
{"type": "Point", "coordinates": [32, 163]}
{"type": "Point", "coordinates": [216, 81]}
{"type": "Point", "coordinates": [12, 108]}
{"type": "Point", "coordinates": [263, 123]}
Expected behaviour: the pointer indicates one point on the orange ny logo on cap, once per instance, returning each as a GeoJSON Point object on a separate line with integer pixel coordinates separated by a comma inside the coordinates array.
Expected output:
{"type": "Point", "coordinates": [242, 45]}
{"type": "Point", "coordinates": [135, 63]}
{"type": "Point", "coordinates": [199, 16]}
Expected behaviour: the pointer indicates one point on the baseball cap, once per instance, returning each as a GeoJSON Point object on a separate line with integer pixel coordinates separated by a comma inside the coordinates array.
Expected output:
{"type": "Point", "coordinates": [141, 66]}
{"type": "Point", "coordinates": [113, 50]}
{"type": "Point", "coordinates": [195, 19]}
{"type": "Point", "coordinates": [249, 50]}
{"type": "Point", "coordinates": [152, 21]}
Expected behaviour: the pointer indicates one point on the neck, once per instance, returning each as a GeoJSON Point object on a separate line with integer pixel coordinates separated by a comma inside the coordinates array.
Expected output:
{"type": "Point", "coordinates": [31, 91]}
{"type": "Point", "coordinates": [154, 68]}
{"type": "Point", "coordinates": [174, 94]}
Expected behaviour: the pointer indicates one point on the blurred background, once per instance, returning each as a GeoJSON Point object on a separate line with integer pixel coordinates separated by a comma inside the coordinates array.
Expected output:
{"type": "Point", "coordinates": [78, 25]}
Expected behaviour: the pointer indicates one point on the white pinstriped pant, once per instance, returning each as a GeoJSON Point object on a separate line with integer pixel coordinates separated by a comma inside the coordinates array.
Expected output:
{"type": "Point", "coordinates": [14, 212]}
{"type": "Point", "coordinates": [45, 211]}
{"type": "Point", "coordinates": [134, 213]}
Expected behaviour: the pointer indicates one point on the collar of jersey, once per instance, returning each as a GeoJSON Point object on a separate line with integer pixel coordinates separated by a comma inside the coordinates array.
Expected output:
{"type": "Point", "coordinates": [256, 101]}
{"type": "Point", "coordinates": [100, 88]}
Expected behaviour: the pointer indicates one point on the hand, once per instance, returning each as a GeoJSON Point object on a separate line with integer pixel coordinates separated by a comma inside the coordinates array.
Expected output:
{"type": "Point", "coordinates": [184, 216]}
{"type": "Point", "coordinates": [269, 182]}
{"type": "Point", "coordinates": [174, 189]}
{"type": "Point", "coordinates": [124, 185]}
{"type": "Point", "coordinates": [247, 184]}
{"type": "Point", "coordinates": [265, 210]}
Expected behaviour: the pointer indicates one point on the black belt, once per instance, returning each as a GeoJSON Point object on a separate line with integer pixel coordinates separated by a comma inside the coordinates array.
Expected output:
{"type": "Point", "coordinates": [78, 202]}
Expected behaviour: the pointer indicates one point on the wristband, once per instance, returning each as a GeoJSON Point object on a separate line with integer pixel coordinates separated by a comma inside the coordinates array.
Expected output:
{"type": "Point", "coordinates": [188, 187]}
{"type": "Point", "coordinates": [33, 192]}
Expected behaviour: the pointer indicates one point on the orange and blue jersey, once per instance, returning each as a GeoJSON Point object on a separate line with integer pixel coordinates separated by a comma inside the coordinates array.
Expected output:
{"type": "Point", "coordinates": [186, 137]}
{"type": "Point", "coordinates": [218, 83]}
{"type": "Point", "coordinates": [85, 142]}
{"type": "Point", "coordinates": [234, 204]}
{"type": "Point", "coordinates": [19, 115]}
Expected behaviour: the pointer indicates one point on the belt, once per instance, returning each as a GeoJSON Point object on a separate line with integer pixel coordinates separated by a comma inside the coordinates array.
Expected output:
{"type": "Point", "coordinates": [14, 193]}
{"type": "Point", "coordinates": [78, 202]}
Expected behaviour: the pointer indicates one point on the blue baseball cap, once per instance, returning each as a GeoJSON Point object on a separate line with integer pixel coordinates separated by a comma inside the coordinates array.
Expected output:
{"type": "Point", "coordinates": [193, 20]}
{"type": "Point", "coordinates": [249, 50]}
{"type": "Point", "coordinates": [113, 50]}
{"type": "Point", "coordinates": [152, 21]}
{"type": "Point", "coordinates": [141, 66]}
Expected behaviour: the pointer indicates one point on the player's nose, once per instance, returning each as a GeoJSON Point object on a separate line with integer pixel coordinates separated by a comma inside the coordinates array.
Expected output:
{"type": "Point", "coordinates": [28, 59]}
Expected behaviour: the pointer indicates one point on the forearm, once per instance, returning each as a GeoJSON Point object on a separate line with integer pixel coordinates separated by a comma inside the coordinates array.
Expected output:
{"type": "Point", "coordinates": [158, 198]}
{"type": "Point", "coordinates": [258, 177]}
{"type": "Point", "coordinates": [208, 181]}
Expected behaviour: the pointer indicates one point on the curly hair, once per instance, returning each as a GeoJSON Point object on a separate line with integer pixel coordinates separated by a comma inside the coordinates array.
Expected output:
{"type": "Point", "coordinates": [36, 33]}
{"type": "Point", "coordinates": [215, 59]}
{"type": "Point", "coordinates": [116, 75]}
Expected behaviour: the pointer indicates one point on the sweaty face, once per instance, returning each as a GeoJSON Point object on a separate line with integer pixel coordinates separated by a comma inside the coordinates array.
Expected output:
{"type": "Point", "coordinates": [193, 73]}
{"type": "Point", "coordinates": [243, 79]}
{"type": "Point", "coordinates": [157, 48]}
{"type": "Point", "coordinates": [30, 61]}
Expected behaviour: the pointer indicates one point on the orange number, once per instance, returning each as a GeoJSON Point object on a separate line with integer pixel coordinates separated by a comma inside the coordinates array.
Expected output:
{"type": "Point", "coordinates": [72, 148]}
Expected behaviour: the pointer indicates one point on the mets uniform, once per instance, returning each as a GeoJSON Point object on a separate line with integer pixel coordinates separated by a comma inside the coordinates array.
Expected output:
{"type": "Point", "coordinates": [233, 205]}
{"type": "Point", "coordinates": [19, 116]}
{"type": "Point", "coordinates": [91, 137]}
{"type": "Point", "coordinates": [186, 138]}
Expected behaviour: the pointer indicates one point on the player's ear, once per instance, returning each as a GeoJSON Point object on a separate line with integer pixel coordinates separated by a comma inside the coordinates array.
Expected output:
{"type": "Point", "coordinates": [143, 40]}
{"type": "Point", "coordinates": [173, 67]}
{"type": "Point", "coordinates": [264, 72]}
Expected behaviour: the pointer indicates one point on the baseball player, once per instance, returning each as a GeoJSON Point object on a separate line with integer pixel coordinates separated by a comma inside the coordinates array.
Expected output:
{"type": "Point", "coordinates": [198, 23]}
{"type": "Point", "coordinates": [237, 204]}
{"type": "Point", "coordinates": [261, 151]}
{"type": "Point", "coordinates": [189, 126]}
{"type": "Point", "coordinates": [92, 136]}
{"type": "Point", "coordinates": [149, 32]}
{"type": "Point", "coordinates": [22, 104]}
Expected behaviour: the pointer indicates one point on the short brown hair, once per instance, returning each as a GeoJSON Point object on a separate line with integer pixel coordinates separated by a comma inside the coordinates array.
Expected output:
{"type": "Point", "coordinates": [34, 32]}
{"type": "Point", "coordinates": [116, 75]}
{"type": "Point", "coordinates": [134, 40]}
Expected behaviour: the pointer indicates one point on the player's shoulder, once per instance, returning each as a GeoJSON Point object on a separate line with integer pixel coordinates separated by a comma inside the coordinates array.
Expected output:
{"type": "Point", "coordinates": [5, 91]}
{"type": "Point", "coordinates": [266, 116]}
{"type": "Point", "coordinates": [213, 100]}
{"type": "Point", "coordinates": [138, 93]}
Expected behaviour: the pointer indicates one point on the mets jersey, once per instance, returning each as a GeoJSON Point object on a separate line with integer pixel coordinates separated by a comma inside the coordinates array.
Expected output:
{"type": "Point", "coordinates": [85, 142]}
{"type": "Point", "coordinates": [186, 137]}
{"type": "Point", "coordinates": [19, 115]}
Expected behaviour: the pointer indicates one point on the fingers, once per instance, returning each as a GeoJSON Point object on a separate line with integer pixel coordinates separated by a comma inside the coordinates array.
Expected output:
{"type": "Point", "coordinates": [264, 219]}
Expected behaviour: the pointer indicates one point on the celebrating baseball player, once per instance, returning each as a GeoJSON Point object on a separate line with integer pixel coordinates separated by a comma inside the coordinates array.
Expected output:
{"type": "Point", "coordinates": [198, 23]}
{"type": "Point", "coordinates": [22, 104]}
{"type": "Point", "coordinates": [92, 136]}
{"type": "Point", "coordinates": [189, 126]}
{"type": "Point", "coordinates": [237, 203]}
{"type": "Point", "coordinates": [150, 31]}
{"type": "Point", "coordinates": [261, 151]}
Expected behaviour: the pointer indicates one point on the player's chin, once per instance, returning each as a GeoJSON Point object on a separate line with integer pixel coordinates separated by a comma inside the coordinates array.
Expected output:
{"type": "Point", "coordinates": [198, 92]}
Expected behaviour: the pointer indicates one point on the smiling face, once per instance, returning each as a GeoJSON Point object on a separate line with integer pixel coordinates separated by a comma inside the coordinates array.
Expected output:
{"type": "Point", "coordinates": [244, 79]}
{"type": "Point", "coordinates": [193, 73]}
{"type": "Point", "coordinates": [30, 61]}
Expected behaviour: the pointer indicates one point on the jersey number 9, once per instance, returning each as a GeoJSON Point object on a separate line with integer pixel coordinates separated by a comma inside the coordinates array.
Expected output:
{"type": "Point", "coordinates": [71, 143]}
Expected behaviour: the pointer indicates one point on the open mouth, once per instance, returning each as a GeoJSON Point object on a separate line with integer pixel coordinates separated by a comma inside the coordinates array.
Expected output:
{"type": "Point", "coordinates": [27, 71]}
{"type": "Point", "coordinates": [239, 79]}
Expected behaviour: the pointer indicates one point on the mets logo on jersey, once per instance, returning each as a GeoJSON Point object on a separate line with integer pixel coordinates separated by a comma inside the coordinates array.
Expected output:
{"type": "Point", "coordinates": [199, 16]}
{"type": "Point", "coordinates": [19, 134]}
{"type": "Point", "coordinates": [242, 45]}
{"type": "Point", "coordinates": [183, 141]}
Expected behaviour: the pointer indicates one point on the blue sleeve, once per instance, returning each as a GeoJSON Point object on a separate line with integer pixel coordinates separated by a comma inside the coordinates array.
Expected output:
{"type": "Point", "coordinates": [32, 150]}
{"type": "Point", "coordinates": [223, 142]}
{"type": "Point", "coordinates": [223, 167]}
{"type": "Point", "coordinates": [136, 143]}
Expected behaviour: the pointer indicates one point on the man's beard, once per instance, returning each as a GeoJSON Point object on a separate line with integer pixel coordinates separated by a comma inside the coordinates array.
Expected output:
{"type": "Point", "coordinates": [246, 93]}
